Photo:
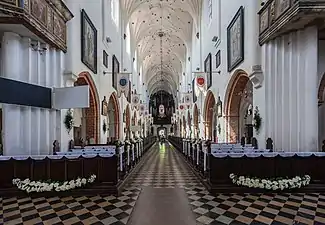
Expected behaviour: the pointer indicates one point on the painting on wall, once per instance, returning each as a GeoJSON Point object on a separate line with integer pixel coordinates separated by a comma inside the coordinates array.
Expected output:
{"type": "Point", "coordinates": [115, 71]}
{"type": "Point", "coordinates": [88, 42]}
{"type": "Point", "coordinates": [208, 70]}
{"type": "Point", "coordinates": [193, 91]}
{"type": "Point", "coordinates": [218, 59]}
{"type": "Point", "coordinates": [105, 59]}
{"type": "Point", "coordinates": [235, 40]}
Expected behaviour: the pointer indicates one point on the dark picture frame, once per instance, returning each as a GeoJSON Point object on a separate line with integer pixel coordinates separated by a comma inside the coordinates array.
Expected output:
{"type": "Point", "coordinates": [88, 42]}
{"type": "Point", "coordinates": [218, 59]}
{"type": "Point", "coordinates": [235, 40]}
{"type": "Point", "coordinates": [115, 71]}
{"type": "Point", "coordinates": [208, 69]}
{"type": "Point", "coordinates": [105, 59]}
{"type": "Point", "coordinates": [193, 91]}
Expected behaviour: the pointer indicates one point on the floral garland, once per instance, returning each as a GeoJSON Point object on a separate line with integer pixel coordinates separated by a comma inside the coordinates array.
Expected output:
{"type": "Point", "coordinates": [118, 143]}
{"type": "Point", "coordinates": [104, 127]}
{"type": "Point", "coordinates": [257, 120]}
{"type": "Point", "coordinates": [271, 184]}
{"type": "Point", "coordinates": [68, 120]}
{"type": "Point", "coordinates": [38, 186]}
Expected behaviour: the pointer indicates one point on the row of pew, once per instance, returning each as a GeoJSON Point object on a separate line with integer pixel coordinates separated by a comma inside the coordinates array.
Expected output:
{"type": "Point", "coordinates": [110, 164]}
{"type": "Point", "coordinates": [214, 162]}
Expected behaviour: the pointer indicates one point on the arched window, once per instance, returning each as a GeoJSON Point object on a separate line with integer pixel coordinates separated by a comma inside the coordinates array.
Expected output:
{"type": "Point", "coordinates": [115, 11]}
{"type": "Point", "coordinates": [210, 9]}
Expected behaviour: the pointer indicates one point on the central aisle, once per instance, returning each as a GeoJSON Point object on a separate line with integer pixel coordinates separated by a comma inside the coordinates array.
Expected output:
{"type": "Point", "coordinates": [164, 179]}
{"type": "Point", "coordinates": [163, 167]}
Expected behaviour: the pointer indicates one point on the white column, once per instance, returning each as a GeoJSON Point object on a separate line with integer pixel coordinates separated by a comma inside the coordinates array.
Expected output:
{"type": "Point", "coordinates": [26, 111]}
{"type": "Point", "coordinates": [293, 90]}
{"type": "Point", "coordinates": [310, 119]}
{"type": "Point", "coordinates": [11, 55]}
{"type": "Point", "coordinates": [121, 125]}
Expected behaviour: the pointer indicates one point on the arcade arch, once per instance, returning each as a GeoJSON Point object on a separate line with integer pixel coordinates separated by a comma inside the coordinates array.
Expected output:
{"type": "Point", "coordinates": [239, 107]}
{"type": "Point", "coordinates": [88, 128]}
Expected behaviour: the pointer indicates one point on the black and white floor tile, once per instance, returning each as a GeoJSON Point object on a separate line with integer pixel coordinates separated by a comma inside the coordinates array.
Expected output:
{"type": "Point", "coordinates": [165, 168]}
{"type": "Point", "coordinates": [70, 210]}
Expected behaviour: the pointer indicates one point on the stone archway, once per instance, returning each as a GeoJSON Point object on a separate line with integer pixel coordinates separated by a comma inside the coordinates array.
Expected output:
{"type": "Point", "coordinates": [208, 115]}
{"type": "Point", "coordinates": [189, 122]}
{"type": "Point", "coordinates": [91, 114]}
{"type": "Point", "coordinates": [113, 117]}
{"type": "Point", "coordinates": [196, 121]}
{"type": "Point", "coordinates": [321, 111]}
{"type": "Point", "coordinates": [180, 128]}
{"type": "Point", "coordinates": [184, 127]}
{"type": "Point", "coordinates": [239, 96]}
{"type": "Point", "coordinates": [128, 121]}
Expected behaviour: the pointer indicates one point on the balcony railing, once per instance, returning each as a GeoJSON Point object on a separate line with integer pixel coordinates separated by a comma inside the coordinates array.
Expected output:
{"type": "Point", "coordinates": [45, 18]}
{"type": "Point", "coordinates": [282, 16]}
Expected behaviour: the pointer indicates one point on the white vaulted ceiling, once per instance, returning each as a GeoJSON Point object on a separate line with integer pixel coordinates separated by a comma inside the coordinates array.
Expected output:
{"type": "Point", "coordinates": [175, 19]}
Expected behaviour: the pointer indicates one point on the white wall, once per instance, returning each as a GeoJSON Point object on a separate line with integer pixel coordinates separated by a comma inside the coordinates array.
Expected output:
{"type": "Point", "coordinates": [321, 110]}
{"type": "Point", "coordinates": [29, 130]}
{"type": "Point", "coordinates": [290, 64]}
{"type": "Point", "coordinates": [222, 14]}
{"type": "Point", "coordinates": [101, 14]}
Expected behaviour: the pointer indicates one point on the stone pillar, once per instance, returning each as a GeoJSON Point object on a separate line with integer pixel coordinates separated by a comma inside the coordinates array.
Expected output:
{"type": "Point", "coordinates": [121, 116]}
{"type": "Point", "coordinates": [11, 54]}
{"type": "Point", "coordinates": [256, 76]}
{"type": "Point", "coordinates": [310, 108]}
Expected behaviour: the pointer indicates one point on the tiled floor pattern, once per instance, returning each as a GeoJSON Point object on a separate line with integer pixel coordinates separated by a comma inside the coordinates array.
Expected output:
{"type": "Point", "coordinates": [167, 169]}
{"type": "Point", "coordinates": [163, 167]}
{"type": "Point", "coordinates": [69, 210]}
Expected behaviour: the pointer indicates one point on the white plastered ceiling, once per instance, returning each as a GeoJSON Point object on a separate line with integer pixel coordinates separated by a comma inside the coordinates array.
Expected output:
{"type": "Point", "coordinates": [176, 19]}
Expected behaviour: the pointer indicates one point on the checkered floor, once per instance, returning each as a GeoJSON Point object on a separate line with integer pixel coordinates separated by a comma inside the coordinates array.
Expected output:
{"type": "Point", "coordinates": [69, 210]}
{"type": "Point", "coordinates": [164, 167]}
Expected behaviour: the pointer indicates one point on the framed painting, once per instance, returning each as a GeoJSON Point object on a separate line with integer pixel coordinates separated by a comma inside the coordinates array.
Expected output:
{"type": "Point", "coordinates": [193, 91]}
{"type": "Point", "coordinates": [235, 40]}
{"type": "Point", "coordinates": [208, 70]}
{"type": "Point", "coordinates": [218, 59]}
{"type": "Point", "coordinates": [88, 42]}
{"type": "Point", "coordinates": [105, 59]}
{"type": "Point", "coordinates": [115, 71]}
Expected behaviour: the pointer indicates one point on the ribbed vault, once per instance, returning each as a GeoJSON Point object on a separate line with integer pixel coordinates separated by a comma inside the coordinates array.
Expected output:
{"type": "Point", "coordinates": [161, 31]}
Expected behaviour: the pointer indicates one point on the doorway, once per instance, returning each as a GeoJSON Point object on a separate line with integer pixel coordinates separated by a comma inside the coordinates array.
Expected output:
{"type": "Point", "coordinates": [162, 131]}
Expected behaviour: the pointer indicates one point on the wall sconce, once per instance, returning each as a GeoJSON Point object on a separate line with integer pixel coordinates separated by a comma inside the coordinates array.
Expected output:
{"type": "Point", "coordinates": [214, 39]}
{"type": "Point", "coordinates": [108, 40]}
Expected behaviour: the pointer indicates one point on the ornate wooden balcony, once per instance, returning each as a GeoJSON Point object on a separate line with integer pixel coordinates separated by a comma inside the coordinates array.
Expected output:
{"type": "Point", "coordinates": [281, 16]}
{"type": "Point", "coordinates": [45, 18]}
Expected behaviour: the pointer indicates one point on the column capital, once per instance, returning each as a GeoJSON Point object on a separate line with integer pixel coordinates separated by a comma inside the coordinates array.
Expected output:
{"type": "Point", "coordinates": [11, 35]}
{"type": "Point", "coordinates": [69, 78]}
{"type": "Point", "coordinates": [257, 76]}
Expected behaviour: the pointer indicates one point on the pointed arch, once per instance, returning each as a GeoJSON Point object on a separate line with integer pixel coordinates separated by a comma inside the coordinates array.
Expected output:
{"type": "Point", "coordinates": [114, 103]}
{"type": "Point", "coordinates": [210, 101]}
{"type": "Point", "coordinates": [91, 113]}
{"type": "Point", "coordinates": [236, 86]}
{"type": "Point", "coordinates": [321, 90]}
{"type": "Point", "coordinates": [196, 120]}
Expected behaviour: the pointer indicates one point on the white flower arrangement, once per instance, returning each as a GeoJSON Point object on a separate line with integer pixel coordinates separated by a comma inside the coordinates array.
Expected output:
{"type": "Point", "coordinates": [118, 143]}
{"type": "Point", "coordinates": [38, 186]}
{"type": "Point", "coordinates": [280, 184]}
